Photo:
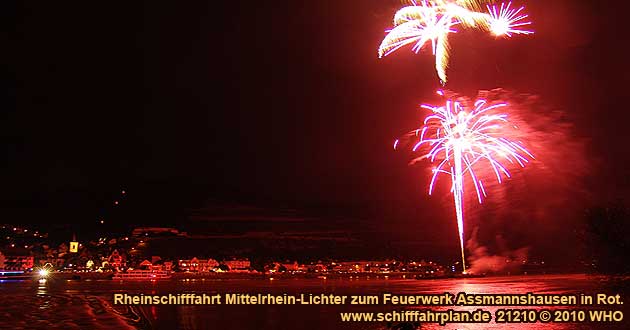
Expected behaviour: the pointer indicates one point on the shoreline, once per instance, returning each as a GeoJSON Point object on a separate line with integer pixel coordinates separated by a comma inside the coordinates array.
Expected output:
{"type": "Point", "coordinates": [280, 276]}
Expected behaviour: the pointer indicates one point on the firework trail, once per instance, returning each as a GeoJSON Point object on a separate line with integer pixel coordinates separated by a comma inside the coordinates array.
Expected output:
{"type": "Point", "coordinates": [434, 21]}
{"type": "Point", "coordinates": [460, 141]}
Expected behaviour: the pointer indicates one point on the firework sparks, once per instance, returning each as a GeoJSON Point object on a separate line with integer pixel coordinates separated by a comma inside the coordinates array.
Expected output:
{"type": "Point", "coordinates": [417, 25]}
{"type": "Point", "coordinates": [506, 20]}
{"type": "Point", "coordinates": [434, 20]}
{"type": "Point", "coordinates": [459, 141]}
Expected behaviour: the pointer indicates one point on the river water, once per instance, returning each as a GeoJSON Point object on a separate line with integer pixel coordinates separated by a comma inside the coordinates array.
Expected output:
{"type": "Point", "coordinates": [63, 304]}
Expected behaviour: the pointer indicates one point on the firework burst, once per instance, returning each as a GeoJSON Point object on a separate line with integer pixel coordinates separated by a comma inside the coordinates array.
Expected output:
{"type": "Point", "coordinates": [507, 21]}
{"type": "Point", "coordinates": [459, 141]}
{"type": "Point", "coordinates": [435, 20]}
{"type": "Point", "coordinates": [417, 25]}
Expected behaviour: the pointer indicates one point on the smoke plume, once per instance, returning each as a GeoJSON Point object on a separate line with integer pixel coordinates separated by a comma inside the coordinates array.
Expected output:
{"type": "Point", "coordinates": [482, 262]}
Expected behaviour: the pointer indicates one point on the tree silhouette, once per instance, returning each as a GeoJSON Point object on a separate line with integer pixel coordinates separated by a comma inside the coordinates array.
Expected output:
{"type": "Point", "coordinates": [608, 238]}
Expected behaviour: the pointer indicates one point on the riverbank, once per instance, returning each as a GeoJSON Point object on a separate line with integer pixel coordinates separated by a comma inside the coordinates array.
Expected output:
{"type": "Point", "coordinates": [80, 276]}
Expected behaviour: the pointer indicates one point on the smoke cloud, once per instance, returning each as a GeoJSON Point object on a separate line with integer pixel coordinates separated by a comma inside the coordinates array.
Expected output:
{"type": "Point", "coordinates": [482, 262]}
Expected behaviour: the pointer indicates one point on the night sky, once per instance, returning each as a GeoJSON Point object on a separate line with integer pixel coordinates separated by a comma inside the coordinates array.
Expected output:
{"type": "Point", "coordinates": [284, 105]}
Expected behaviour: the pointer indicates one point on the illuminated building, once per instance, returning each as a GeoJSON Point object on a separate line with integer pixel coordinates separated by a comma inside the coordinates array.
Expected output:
{"type": "Point", "coordinates": [115, 260]}
{"type": "Point", "coordinates": [237, 264]}
{"type": "Point", "coordinates": [197, 265]}
{"type": "Point", "coordinates": [18, 262]}
{"type": "Point", "coordinates": [74, 247]}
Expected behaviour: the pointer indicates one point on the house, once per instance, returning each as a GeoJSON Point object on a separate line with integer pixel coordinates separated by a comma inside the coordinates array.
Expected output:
{"type": "Point", "coordinates": [291, 267]}
{"type": "Point", "coordinates": [156, 266]}
{"type": "Point", "coordinates": [197, 265]}
{"type": "Point", "coordinates": [146, 265]}
{"type": "Point", "coordinates": [54, 261]}
{"type": "Point", "coordinates": [283, 267]}
{"type": "Point", "coordinates": [237, 264]}
{"type": "Point", "coordinates": [318, 267]}
{"type": "Point", "coordinates": [18, 262]}
{"type": "Point", "coordinates": [115, 260]}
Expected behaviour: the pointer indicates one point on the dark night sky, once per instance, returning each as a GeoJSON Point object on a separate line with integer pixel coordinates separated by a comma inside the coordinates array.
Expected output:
{"type": "Point", "coordinates": [272, 103]}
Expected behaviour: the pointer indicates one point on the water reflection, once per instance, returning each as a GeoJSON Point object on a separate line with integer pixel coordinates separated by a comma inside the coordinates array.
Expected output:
{"type": "Point", "coordinates": [42, 288]}
{"type": "Point", "coordinates": [88, 305]}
